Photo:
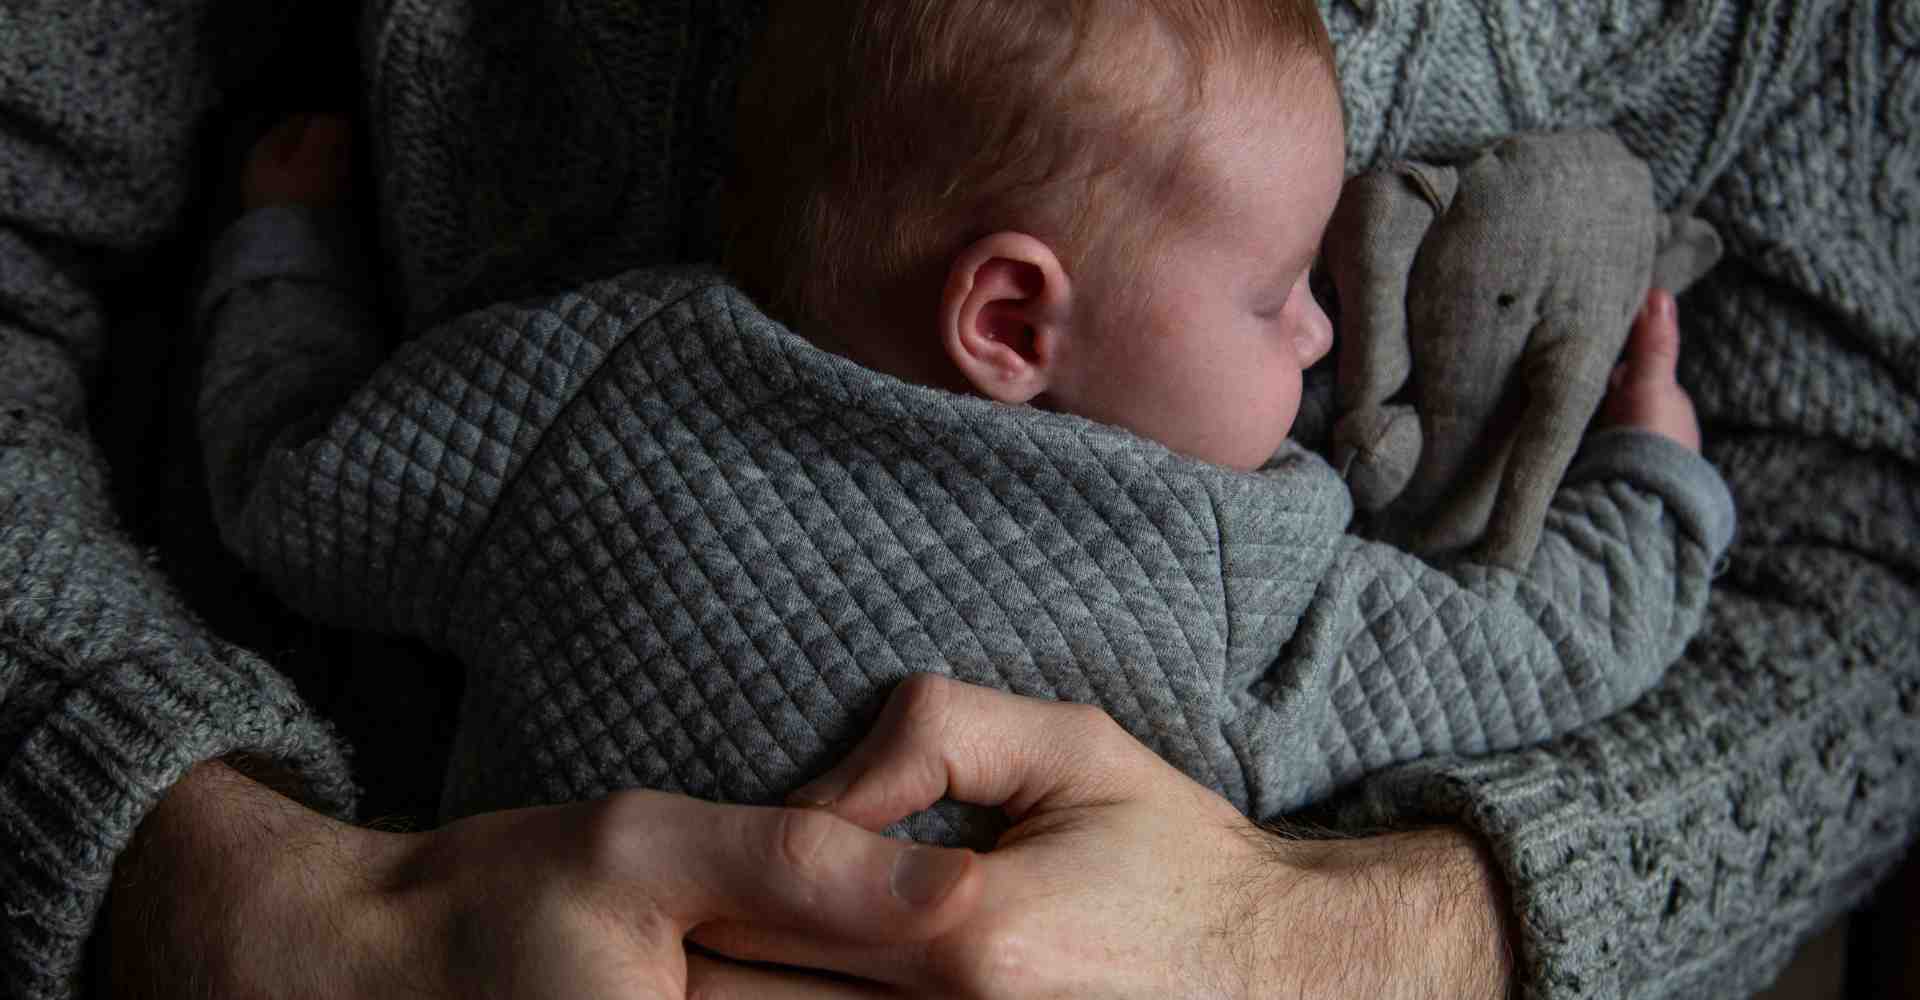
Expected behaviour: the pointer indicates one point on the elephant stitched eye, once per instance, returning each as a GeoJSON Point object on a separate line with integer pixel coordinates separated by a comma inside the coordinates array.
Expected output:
{"type": "Point", "coordinates": [1507, 300]}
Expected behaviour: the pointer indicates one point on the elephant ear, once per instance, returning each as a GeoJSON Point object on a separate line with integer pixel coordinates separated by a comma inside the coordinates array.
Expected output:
{"type": "Point", "coordinates": [1688, 249]}
{"type": "Point", "coordinates": [1372, 242]}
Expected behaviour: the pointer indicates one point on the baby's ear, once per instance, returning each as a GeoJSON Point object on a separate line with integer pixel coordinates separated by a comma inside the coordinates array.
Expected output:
{"type": "Point", "coordinates": [1003, 315]}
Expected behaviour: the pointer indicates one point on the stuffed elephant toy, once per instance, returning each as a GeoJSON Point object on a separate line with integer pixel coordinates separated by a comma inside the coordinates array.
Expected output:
{"type": "Point", "coordinates": [1482, 309]}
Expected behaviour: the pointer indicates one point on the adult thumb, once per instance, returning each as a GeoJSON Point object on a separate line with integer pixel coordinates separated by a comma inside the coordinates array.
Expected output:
{"type": "Point", "coordinates": [939, 738]}
{"type": "Point", "coordinates": [808, 870]}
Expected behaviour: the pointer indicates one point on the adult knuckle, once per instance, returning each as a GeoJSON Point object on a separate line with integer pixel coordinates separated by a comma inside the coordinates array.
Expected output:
{"type": "Point", "coordinates": [925, 706]}
{"type": "Point", "coordinates": [801, 841]}
{"type": "Point", "coordinates": [924, 699]}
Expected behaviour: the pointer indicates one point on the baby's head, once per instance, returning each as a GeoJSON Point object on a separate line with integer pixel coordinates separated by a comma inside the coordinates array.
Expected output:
{"type": "Point", "coordinates": [1103, 207]}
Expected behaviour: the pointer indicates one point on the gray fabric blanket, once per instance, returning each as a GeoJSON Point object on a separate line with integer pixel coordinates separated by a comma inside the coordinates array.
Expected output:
{"type": "Point", "coordinates": [679, 547]}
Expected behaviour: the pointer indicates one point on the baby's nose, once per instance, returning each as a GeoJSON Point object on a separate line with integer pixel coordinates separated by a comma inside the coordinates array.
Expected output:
{"type": "Point", "coordinates": [1316, 337]}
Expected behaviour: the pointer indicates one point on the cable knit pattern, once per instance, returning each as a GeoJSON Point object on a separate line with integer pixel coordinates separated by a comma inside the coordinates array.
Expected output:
{"type": "Point", "coordinates": [591, 133]}
{"type": "Point", "coordinates": [1685, 846]}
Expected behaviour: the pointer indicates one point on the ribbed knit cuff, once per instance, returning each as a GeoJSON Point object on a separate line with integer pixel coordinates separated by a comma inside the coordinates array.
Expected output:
{"type": "Point", "coordinates": [1686, 845]}
{"type": "Point", "coordinates": [73, 793]}
{"type": "Point", "coordinates": [1511, 801]}
{"type": "Point", "coordinates": [1695, 493]}
{"type": "Point", "coordinates": [109, 694]}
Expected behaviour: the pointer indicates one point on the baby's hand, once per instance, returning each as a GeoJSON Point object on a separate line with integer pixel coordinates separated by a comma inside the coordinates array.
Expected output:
{"type": "Point", "coordinates": [1642, 391]}
{"type": "Point", "coordinates": [304, 160]}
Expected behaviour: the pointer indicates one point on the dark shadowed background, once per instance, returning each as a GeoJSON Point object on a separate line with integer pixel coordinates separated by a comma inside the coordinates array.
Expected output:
{"type": "Point", "coordinates": [276, 59]}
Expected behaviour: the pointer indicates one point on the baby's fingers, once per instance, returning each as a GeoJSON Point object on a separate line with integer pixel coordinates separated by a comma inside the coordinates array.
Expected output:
{"type": "Point", "coordinates": [1653, 348]}
{"type": "Point", "coordinates": [1644, 390]}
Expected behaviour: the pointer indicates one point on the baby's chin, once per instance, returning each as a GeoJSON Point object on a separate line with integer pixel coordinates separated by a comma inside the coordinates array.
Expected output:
{"type": "Point", "coordinates": [1247, 455]}
{"type": "Point", "coordinates": [1269, 447]}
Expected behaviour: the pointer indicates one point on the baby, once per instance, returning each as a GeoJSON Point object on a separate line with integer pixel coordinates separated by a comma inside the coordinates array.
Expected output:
{"type": "Point", "coordinates": [1107, 209]}
{"type": "Point", "coordinates": [1050, 264]}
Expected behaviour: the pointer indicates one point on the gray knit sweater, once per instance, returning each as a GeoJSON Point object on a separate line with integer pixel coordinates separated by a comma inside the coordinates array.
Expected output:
{"type": "Point", "coordinates": [1679, 848]}
{"type": "Point", "coordinates": [678, 547]}
{"type": "Point", "coordinates": [110, 690]}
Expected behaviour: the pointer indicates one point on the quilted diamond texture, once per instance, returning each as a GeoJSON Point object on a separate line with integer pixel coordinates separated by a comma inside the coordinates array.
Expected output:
{"type": "Point", "coordinates": [370, 523]}
{"type": "Point", "coordinates": [682, 549]}
{"type": "Point", "coordinates": [1478, 659]}
{"type": "Point", "coordinates": [748, 579]}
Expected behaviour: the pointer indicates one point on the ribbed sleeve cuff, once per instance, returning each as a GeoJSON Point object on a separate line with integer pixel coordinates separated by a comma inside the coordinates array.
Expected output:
{"type": "Point", "coordinates": [79, 784]}
{"type": "Point", "coordinates": [1537, 829]}
{"type": "Point", "coordinates": [1692, 487]}
{"type": "Point", "coordinates": [109, 694]}
{"type": "Point", "coordinates": [289, 242]}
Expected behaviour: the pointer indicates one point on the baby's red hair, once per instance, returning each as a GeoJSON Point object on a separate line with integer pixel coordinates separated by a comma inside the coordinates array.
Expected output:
{"type": "Point", "coordinates": [879, 138]}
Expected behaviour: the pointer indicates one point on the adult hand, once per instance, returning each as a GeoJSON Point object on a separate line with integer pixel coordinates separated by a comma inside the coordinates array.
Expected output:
{"type": "Point", "coordinates": [303, 160]}
{"type": "Point", "coordinates": [1644, 390]}
{"type": "Point", "coordinates": [1123, 878]}
{"type": "Point", "coordinates": [231, 889]}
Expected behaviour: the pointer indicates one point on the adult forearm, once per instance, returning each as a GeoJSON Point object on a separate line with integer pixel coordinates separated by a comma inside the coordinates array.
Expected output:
{"type": "Point", "coordinates": [109, 691]}
{"type": "Point", "coordinates": [1413, 915]}
{"type": "Point", "coordinates": [199, 873]}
